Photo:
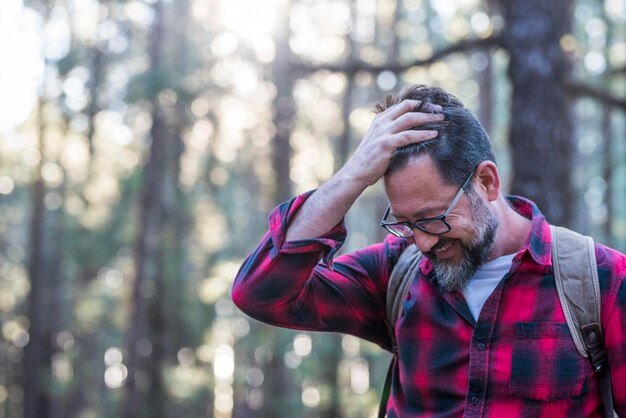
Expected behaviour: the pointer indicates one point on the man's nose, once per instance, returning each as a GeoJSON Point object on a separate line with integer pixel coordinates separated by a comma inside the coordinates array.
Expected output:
{"type": "Point", "coordinates": [424, 241]}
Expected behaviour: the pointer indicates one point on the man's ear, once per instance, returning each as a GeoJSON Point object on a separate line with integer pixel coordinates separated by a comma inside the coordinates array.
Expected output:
{"type": "Point", "coordinates": [488, 180]}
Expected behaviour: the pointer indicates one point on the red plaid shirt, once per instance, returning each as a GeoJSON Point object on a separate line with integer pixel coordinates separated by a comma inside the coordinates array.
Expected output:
{"type": "Point", "coordinates": [517, 360]}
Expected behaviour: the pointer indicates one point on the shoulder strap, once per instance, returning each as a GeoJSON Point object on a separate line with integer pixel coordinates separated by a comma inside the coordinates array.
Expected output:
{"type": "Point", "coordinates": [576, 277]}
{"type": "Point", "coordinates": [399, 280]}
{"type": "Point", "coordinates": [578, 287]}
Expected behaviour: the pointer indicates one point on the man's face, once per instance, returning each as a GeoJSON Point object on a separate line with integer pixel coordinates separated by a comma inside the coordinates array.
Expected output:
{"type": "Point", "coordinates": [416, 192]}
{"type": "Point", "coordinates": [454, 274]}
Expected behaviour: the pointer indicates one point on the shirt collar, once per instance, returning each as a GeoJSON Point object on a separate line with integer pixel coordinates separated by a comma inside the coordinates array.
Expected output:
{"type": "Point", "coordinates": [539, 241]}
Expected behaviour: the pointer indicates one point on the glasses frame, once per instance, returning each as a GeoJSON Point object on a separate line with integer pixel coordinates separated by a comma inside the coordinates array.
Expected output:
{"type": "Point", "coordinates": [419, 224]}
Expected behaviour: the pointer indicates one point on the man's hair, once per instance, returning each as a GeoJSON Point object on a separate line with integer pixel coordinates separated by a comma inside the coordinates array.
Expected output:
{"type": "Point", "coordinates": [462, 142]}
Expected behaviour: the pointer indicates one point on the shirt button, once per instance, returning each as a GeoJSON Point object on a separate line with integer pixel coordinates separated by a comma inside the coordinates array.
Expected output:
{"type": "Point", "coordinates": [475, 400]}
{"type": "Point", "coordinates": [480, 346]}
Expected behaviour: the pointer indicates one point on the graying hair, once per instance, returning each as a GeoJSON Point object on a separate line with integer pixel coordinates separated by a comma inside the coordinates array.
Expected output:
{"type": "Point", "coordinates": [462, 143]}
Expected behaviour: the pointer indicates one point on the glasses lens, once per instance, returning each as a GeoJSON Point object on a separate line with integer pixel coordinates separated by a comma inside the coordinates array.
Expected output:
{"type": "Point", "coordinates": [435, 226]}
{"type": "Point", "coordinates": [400, 230]}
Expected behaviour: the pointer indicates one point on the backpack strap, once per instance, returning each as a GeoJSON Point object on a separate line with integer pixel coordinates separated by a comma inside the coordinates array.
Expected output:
{"type": "Point", "coordinates": [399, 281]}
{"type": "Point", "coordinates": [574, 262]}
{"type": "Point", "coordinates": [578, 287]}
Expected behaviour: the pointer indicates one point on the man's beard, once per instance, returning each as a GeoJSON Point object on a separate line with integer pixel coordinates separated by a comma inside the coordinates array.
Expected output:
{"type": "Point", "coordinates": [453, 276]}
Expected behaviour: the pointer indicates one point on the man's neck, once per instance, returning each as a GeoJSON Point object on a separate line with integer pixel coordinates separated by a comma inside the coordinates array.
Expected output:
{"type": "Point", "coordinates": [513, 230]}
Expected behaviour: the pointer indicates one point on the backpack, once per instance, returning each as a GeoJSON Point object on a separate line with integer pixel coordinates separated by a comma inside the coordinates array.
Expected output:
{"type": "Point", "coordinates": [576, 279]}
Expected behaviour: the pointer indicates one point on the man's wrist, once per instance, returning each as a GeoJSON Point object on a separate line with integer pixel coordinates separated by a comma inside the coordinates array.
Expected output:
{"type": "Point", "coordinates": [353, 180]}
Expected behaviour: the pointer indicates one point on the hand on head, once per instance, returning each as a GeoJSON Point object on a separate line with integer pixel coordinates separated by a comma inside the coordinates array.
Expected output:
{"type": "Point", "coordinates": [393, 128]}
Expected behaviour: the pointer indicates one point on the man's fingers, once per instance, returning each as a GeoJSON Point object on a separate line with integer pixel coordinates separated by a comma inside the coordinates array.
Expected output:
{"type": "Point", "coordinates": [405, 138]}
{"type": "Point", "coordinates": [401, 108]}
{"type": "Point", "coordinates": [409, 106]}
{"type": "Point", "coordinates": [413, 119]}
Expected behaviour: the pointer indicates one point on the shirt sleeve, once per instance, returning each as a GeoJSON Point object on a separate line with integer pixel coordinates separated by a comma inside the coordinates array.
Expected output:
{"type": "Point", "coordinates": [300, 285]}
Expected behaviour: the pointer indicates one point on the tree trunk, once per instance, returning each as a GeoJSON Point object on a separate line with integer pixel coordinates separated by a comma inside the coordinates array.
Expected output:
{"type": "Point", "coordinates": [541, 134]}
{"type": "Point", "coordinates": [284, 108]}
{"type": "Point", "coordinates": [607, 174]}
{"type": "Point", "coordinates": [164, 322]}
{"type": "Point", "coordinates": [97, 70]}
{"type": "Point", "coordinates": [343, 149]}
{"type": "Point", "coordinates": [486, 84]}
{"type": "Point", "coordinates": [608, 148]}
{"type": "Point", "coordinates": [56, 289]}
{"type": "Point", "coordinates": [147, 240]}
{"type": "Point", "coordinates": [279, 390]}
{"type": "Point", "coordinates": [330, 375]}
{"type": "Point", "coordinates": [144, 267]}
{"type": "Point", "coordinates": [154, 407]}
{"type": "Point", "coordinates": [36, 400]}
{"type": "Point", "coordinates": [277, 387]}
{"type": "Point", "coordinates": [344, 140]}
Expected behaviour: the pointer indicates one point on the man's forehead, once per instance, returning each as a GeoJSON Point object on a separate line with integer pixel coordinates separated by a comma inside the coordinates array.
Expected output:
{"type": "Point", "coordinates": [419, 175]}
{"type": "Point", "coordinates": [418, 191]}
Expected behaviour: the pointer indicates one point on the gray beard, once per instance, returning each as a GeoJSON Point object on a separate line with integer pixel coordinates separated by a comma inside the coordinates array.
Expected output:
{"type": "Point", "coordinates": [453, 276]}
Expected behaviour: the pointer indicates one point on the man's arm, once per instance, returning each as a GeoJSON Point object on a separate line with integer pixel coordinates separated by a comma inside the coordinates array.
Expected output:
{"type": "Point", "coordinates": [283, 282]}
{"type": "Point", "coordinates": [389, 131]}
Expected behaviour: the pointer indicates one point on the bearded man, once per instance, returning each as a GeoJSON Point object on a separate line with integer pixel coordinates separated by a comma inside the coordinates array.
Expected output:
{"type": "Point", "coordinates": [482, 331]}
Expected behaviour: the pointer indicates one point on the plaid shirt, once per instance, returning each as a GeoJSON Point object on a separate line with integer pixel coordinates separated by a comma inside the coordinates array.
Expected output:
{"type": "Point", "coordinates": [517, 360]}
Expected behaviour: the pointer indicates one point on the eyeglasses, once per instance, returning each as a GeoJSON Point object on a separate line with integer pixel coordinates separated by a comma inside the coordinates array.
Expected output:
{"type": "Point", "coordinates": [433, 226]}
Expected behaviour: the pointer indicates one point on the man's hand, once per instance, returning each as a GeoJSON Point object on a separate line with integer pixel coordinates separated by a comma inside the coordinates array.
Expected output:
{"type": "Point", "coordinates": [390, 130]}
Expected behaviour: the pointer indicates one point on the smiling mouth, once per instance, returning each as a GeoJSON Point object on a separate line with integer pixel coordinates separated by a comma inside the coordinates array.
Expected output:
{"type": "Point", "coordinates": [442, 248]}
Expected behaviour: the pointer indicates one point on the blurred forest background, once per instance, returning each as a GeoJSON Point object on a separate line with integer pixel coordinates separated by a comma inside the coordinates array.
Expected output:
{"type": "Point", "coordinates": [143, 143]}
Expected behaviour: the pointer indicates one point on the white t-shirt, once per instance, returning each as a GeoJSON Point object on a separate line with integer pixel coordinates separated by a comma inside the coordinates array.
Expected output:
{"type": "Point", "coordinates": [485, 281]}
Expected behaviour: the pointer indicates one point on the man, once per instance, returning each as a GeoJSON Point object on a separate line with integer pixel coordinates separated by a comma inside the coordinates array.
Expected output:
{"type": "Point", "coordinates": [483, 332]}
